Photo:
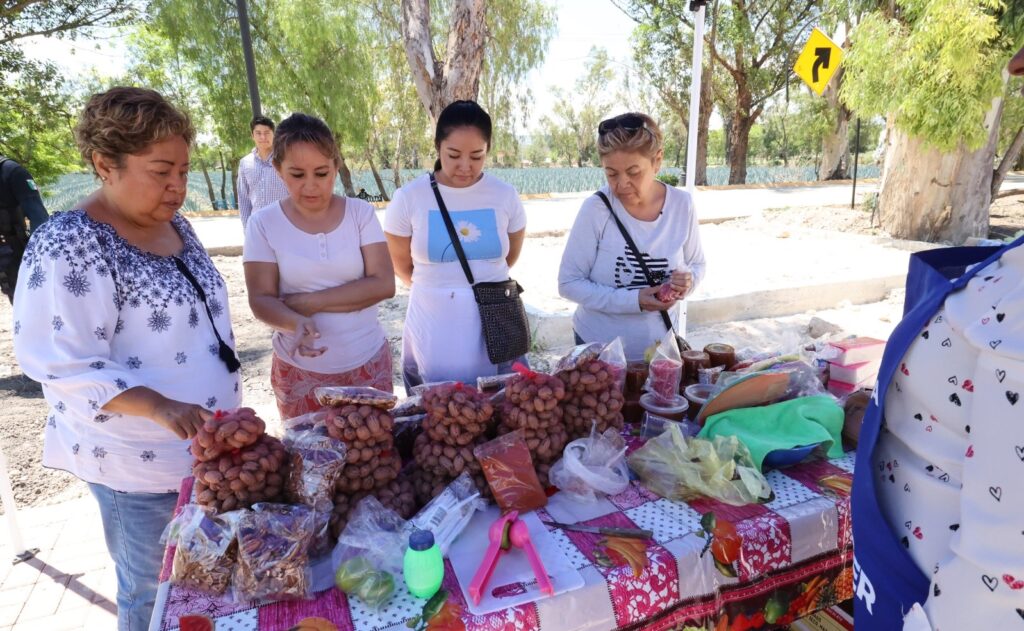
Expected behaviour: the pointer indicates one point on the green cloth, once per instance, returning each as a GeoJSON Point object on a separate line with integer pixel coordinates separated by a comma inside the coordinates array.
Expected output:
{"type": "Point", "coordinates": [794, 423]}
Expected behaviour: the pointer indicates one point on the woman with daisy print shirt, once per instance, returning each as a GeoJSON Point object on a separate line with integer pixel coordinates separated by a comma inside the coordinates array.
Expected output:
{"type": "Point", "coordinates": [443, 337]}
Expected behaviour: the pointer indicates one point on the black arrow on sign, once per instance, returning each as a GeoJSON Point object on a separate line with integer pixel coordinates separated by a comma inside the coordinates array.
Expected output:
{"type": "Point", "coordinates": [822, 57]}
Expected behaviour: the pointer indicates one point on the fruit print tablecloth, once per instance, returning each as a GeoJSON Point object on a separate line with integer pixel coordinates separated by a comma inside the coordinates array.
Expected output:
{"type": "Point", "coordinates": [762, 565]}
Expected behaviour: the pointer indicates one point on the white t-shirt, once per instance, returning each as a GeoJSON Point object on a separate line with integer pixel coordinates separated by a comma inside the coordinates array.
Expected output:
{"type": "Point", "coordinates": [443, 335]}
{"type": "Point", "coordinates": [311, 262]}
{"type": "Point", "coordinates": [484, 214]}
{"type": "Point", "coordinates": [601, 275]}
{"type": "Point", "coordinates": [950, 456]}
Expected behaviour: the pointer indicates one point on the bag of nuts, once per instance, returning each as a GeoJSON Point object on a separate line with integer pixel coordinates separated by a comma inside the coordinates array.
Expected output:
{"type": "Point", "coordinates": [316, 462]}
{"type": "Point", "coordinates": [359, 425]}
{"type": "Point", "coordinates": [532, 401]}
{"type": "Point", "coordinates": [443, 459]}
{"type": "Point", "coordinates": [545, 445]}
{"type": "Point", "coordinates": [242, 478]}
{"type": "Point", "coordinates": [227, 431]}
{"type": "Point", "coordinates": [273, 552]}
{"type": "Point", "coordinates": [399, 496]}
{"type": "Point", "coordinates": [381, 469]}
{"type": "Point", "coordinates": [205, 549]}
{"type": "Point", "coordinates": [594, 389]}
{"type": "Point", "coordinates": [457, 414]}
{"type": "Point", "coordinates": [333, 396]}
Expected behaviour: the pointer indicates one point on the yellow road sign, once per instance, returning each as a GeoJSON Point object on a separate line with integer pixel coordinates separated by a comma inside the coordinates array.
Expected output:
{"type": "Point", "coordinates": [818, 61]}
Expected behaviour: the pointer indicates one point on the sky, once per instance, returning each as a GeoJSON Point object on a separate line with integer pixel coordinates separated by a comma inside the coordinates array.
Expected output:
{"type": "Point", "coordinates": [582, 24]}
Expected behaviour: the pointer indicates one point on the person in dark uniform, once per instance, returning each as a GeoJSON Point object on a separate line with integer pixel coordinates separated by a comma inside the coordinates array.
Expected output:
{"type": "Point", "coordinates": [19, 199]}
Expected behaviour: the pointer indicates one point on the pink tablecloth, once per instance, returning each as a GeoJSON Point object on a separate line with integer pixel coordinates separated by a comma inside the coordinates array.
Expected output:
{"type": "Point", "coordinates": [795, 558]}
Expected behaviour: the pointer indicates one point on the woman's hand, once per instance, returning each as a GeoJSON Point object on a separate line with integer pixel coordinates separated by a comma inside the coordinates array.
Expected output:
{"type": "Point", "coordinates": [184, 419]}
{"type": "Point", "coordinates": [302, 303]}
{"type": "Point", "coordinates": [682, 282]}
{"type": "Point", "coordinates": [649, 300]}
{"type": "Point", "coordinates": [306, 335]}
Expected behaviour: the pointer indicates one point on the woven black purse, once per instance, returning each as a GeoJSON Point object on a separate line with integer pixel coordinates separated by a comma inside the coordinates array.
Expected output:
{"type": "Point", "coordinates": [502, 314]}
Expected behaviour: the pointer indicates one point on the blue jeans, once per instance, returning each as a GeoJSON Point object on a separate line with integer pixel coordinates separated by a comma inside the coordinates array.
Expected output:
{"type": "Point", "coordinates": [132, 525]}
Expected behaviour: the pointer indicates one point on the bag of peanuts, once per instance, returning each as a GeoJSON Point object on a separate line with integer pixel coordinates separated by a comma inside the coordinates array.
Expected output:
{"type": "Point", "coordinates": [457, 414]}
{"type": "Point", "coordinates": [243, 477]}
{"type": "Point", "coordinates": [594, 376]}
{"type": "Point", "coordinates": [227, 431]}
{"type": "Point", "coordinates": [273, 552]}
{"type": "Point", "coordinates": [532, 400]}
{"type": "Point", "coordinates": [362, 427]}
{"type": "Point", "coordinates": [509, 469]}
{"type": "Point", "coordinates": [316, 462]}
{"type": "Point", "coordinates": [205, 549]}
{"type": "Point", "coordinates": [614, 355]}
{"type": "Point", "coordinates": [333, 396]}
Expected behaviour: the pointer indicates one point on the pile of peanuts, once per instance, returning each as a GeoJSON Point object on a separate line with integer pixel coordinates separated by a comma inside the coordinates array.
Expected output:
{"type": "Point", "coordinates": [237, 464]}
{"type": "Point", "coordinates": [362, 419]}
{"type": "Point", "coordinates": [456, 414]}
{"type": "Point", "coordinates": [533, 406]}
{"type": "Point", "coordinates": [593, 394]}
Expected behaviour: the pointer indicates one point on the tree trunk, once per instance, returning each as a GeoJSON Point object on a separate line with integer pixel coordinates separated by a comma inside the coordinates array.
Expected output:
{"type": "Point", "coordinates": [396, 167]}
{"type": "Point", "coordinates": [742, 121]}
{"type": "Point", "coordinates": [835, 147]}
{"type": "Point", "coordinates": [928, 195]}
{"type": "Point", "coordinates": [209, 184]}
{"type": "Point", "coordinates": [707, 104]}
{"type": "Point", "coordinates": [376, 176]}
{"type": "Point", "coordinates": [727, 137]}
{"type": "Point", "coordinates": [439, 82]}
{"type": "Point", "coordinates": [1009, 158]}
{"type": "Point", "coordinates": [346, 176]}
{"type": "Point", "coordinates": [223, 178]}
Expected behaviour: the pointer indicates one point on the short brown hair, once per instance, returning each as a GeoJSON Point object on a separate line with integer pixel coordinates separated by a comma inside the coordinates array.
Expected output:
{"type": "Point", "coordinates": [646, 141]}
{"type": "Point", "coordinates": [124, 121]}
{"type": "Point", "coordinates": [301, 127]}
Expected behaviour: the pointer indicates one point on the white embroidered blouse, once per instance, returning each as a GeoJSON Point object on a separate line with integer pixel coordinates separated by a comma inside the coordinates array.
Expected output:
{"type": "Point", "coordinates": [95, 316]}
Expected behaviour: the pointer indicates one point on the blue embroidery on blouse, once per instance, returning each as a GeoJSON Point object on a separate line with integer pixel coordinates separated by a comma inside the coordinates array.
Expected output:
{"type": "Point", "coordinates": [142, 280]}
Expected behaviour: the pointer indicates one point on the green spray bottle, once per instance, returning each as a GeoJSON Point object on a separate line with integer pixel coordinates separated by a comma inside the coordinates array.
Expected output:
{"type": "Point", "coordinates": [423, 565]}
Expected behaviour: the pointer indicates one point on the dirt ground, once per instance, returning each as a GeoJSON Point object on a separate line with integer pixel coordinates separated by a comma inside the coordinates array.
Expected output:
{"type": "Point", "coordinates": [1006, 218]}
{"type": "Point", "coordinates": [24, 410]}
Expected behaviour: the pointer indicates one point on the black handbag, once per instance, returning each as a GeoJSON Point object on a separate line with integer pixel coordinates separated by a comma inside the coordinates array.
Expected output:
{"type": "Point", "coordinates": [680, 341]}
{"type": "Point", "coordinates": [502, 314]}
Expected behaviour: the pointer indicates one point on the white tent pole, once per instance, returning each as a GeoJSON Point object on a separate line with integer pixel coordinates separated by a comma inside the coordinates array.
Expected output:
{"type": "Point", "coordinates": [10, 511]}
{"type": "Point", "coordinates": [698, 66]}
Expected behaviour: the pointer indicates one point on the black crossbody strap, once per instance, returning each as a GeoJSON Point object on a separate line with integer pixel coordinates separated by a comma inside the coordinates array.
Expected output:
{"type": "Point", "coordinates": [454, 236]}
{"type": "Point", "coordinates": [637, 254]}
{"type": "Point", "coordinates": [223, 350]}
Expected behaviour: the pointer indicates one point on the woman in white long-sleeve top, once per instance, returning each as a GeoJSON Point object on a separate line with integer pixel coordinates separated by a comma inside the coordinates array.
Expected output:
{"type": "Point", "coordinates": [600, 271]}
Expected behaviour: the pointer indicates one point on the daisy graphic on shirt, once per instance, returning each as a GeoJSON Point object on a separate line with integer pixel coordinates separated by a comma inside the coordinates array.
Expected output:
{"type": "Point", "coordinates": [468, 232]}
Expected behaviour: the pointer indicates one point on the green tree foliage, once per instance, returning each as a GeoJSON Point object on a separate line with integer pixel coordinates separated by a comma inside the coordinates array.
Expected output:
{"type": "Point", "coordinates": [572, 130]}
{"type": "Point", "coordinates": [36, 126]}
{"type": "Point", "coordinates": [934, 68]}
{"type": "Point", "coordinates": [64, 18]}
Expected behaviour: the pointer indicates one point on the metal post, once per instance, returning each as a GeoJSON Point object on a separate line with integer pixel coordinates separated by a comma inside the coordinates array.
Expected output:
{"type": "Point", "coordinates": [250, 64]}
{"type": "Point", "coordinates": [696, 71]}
{"type": "Point", "coordinates": [856, 159]}
{"type": "Point", "coordinates": [11, 513]}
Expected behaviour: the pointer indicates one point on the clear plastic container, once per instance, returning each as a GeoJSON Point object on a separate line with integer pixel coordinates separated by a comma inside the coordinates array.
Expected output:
{"type": "Point", "coordinates": [674, 410]}
{"type": "Point", "coordinates": [655, 425]}
{"type": "Point", "coordinates": [697, 395]}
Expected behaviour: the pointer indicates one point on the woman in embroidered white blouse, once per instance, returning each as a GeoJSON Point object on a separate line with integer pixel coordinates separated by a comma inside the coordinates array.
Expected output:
{"type": "Point", "coordinates": [123, 318]}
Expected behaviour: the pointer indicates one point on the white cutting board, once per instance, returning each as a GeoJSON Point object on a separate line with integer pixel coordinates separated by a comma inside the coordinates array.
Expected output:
{"type": "Point", "coordinates": [512, 575]}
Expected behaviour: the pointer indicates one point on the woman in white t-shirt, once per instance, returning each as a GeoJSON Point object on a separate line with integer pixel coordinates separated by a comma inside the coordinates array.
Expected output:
{"type": "Point", "coordinates": [316, 265]}
{"type": "Point", "coordinates": [599, 271]}
{"type": "Point", "coordinates": [443, 337]}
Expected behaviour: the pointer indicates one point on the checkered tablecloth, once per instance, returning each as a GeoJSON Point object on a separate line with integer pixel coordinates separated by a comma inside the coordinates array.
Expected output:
{"type": "Point", "coordinates": [795, 558]}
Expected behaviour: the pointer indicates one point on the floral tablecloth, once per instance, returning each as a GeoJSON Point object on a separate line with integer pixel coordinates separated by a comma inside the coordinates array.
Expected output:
{"type": "Point", "coordinates": [761, 566]}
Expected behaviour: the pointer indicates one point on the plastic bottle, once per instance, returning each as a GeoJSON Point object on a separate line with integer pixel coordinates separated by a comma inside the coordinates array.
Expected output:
{"type": "Point", "coordinates": [423, 565]}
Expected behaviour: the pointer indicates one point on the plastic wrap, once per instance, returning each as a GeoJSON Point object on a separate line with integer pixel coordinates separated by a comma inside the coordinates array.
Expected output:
{"type": "Point", "coordinates": [449, 513]}
{"type": "Point", "coordinates": [666, 370]}
{"type": "Point", "coordinates": [333, 396]}
{"type": "Point", "coordinates": [457, 414]}
{"type": "Point", "coordinates": [492, 383]}
{"type": "Point", "coordinates": [205, 548]}
{"type": "Point", "coordinates": [273, 552]}
{"type": "Point", "coordinates": [578, 356]}
{"type": "Point", "coordinates": [592, 467]}
{"type": "Point", "coordinates": [681, 469]}
{"type": "Point", "coordinates": [410, 406]}
{"type": "Point", "coordinates": [316, 462]}
{"type": "Point", "coordinates": [370, 552]}
{"type": "Point", "coordinates": [509, 469]}
{"type": "Point", "coordinates": [614, 355]}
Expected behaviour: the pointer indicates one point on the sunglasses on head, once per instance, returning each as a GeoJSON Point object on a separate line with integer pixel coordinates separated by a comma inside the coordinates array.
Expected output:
{"type": "Point", "coordinates": [629, 122]}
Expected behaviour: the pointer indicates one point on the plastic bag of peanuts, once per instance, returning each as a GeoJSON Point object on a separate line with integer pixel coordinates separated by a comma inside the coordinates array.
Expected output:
{"type": "Point", "coordinates": [227, 431]}
{"type": "Point", "coordinates": [334, 396]}
{"type": "Point", "coordinates": [239, 479]}
{"type": "Point", "coordinates": [273, 552]}
{"type": "Point", "coordinates": [457, 414]}
{"type": "Point", "coordinates": [205, 549]}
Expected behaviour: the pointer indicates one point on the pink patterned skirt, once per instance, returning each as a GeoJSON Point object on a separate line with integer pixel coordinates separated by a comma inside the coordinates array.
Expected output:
{"type": "Point", "coordinates": [294, 387]}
